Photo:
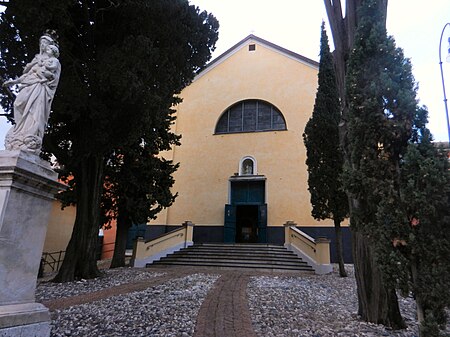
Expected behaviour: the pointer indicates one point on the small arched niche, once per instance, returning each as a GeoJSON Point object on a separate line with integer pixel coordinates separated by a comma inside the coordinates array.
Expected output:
{"type": "Point", "coordinates": [247, 166]}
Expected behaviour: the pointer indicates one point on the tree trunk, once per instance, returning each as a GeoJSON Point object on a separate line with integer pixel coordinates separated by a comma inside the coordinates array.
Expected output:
{"type": "Point", "coordinates": [120, 246]}
{"type": "Point", "coordinates": [377, 302]}
{"type": "Point", "coordinates": [339, 250]}
{"type": "Point", "coordinates": [80, 259]}
{"type": "Point", "coordinates": [419, 302]}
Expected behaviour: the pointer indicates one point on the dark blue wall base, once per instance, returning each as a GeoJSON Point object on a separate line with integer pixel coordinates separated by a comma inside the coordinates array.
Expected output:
{"type": "Point", "coordinates": [202, 234]}
{"type": "Point", "coordinates": [275, 235]}
{"type": "Point", "coordinates": [330, 234]}
{"type": "Point", "coordinates": [208, 234]}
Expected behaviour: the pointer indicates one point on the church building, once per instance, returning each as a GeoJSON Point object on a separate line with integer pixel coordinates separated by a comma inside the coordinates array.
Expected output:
{"type": "Point", "coordinates": [242, 171]}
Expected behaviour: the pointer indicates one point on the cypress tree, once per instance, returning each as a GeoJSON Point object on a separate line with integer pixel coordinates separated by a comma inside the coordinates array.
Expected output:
{"type": "Point", "coordinates": [377, 301]}
{"type": "Point", "coordinates": [382, 103]}
{"type": "Point", "coordinates": [137, 187]}
{"type": "Point", "coordinates": [324, 156]}
{"type": "Point", "coordinates": [425, 240]}
{"type": "Point", "coordinates": [396, 180]}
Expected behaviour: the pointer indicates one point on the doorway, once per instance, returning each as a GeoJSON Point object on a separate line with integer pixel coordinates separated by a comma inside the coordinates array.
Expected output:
{"type": "Point", "coordinates": [246, 215]}
{"type": "Point", "coordinates": [246, 223]}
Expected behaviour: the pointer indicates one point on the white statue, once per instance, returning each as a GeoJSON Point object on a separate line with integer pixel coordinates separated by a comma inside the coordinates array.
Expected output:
{"type": "Point", "coordinates": [32, 105]}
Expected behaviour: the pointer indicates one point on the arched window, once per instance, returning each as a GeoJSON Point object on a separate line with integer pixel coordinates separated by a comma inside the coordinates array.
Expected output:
{"type": "Point", "coordinates": [247, 166]}
{"type": "Point", "coordinates": [250, 116]}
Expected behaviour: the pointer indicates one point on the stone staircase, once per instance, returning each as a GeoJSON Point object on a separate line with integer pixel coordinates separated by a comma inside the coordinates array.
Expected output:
{"type": "Point", "coordinates": [262, 257]}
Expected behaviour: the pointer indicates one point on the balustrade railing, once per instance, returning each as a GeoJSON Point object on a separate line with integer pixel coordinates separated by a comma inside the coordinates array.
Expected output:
{"type": "Point", "coordinates": [316, 252]}
{"type": "Point", "coordinates": [151, 250]}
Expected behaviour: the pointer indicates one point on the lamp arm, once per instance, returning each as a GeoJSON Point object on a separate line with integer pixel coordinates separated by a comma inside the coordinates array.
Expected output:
{"type": "Point", "coordinates": [440, 41]}
{"type": "Point", "coordinates": [442, 77]}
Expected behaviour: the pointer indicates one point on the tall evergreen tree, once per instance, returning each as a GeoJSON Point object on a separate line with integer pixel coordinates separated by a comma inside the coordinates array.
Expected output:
{"type": "Point", "coordinates": [382, 103]}
{"type": "Point", "coordinates": [425, 235]}
{"type": "Point", "coordinates": [137, 187]}
{"type": "Point", "coordinates": [377, 301]}
{"type": "Point", "coordinates": [418, 225]}
{"type": "Point", "coordinates": [123, 63]}
{"type": "Point", "coordinates": [324, 156]}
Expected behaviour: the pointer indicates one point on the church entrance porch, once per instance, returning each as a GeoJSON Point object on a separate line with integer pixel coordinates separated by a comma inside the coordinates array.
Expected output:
{"type": "Point", "coordinates": [246, 215]}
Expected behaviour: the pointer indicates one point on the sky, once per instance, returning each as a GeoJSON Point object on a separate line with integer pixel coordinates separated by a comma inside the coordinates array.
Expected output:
{"type": "Point", "coordinates": [416, 26]}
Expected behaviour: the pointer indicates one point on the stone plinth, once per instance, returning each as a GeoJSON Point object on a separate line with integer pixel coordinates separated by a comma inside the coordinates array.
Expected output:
{"type": "Point", "coordinates": [27, 189]}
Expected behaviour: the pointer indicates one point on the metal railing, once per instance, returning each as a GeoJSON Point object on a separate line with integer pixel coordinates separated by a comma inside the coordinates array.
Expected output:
{"type": "Point", "coordinates": [52, 260]}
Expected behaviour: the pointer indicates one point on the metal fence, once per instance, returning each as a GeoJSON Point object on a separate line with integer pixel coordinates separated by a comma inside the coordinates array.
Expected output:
{"type": "Point", "coordinates": [50, 262]}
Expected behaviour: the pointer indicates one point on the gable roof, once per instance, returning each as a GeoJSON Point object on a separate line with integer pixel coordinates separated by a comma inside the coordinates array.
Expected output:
{"type": "Point", "coordinates": [254, 38]}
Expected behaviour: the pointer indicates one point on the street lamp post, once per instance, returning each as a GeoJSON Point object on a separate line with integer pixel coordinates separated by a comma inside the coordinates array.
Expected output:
{"type": "Point", "coordinates": [442, 76]}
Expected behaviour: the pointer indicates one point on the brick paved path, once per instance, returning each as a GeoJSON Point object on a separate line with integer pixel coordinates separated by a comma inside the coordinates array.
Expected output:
{"type": "Point", "coordinates": [224, 311]}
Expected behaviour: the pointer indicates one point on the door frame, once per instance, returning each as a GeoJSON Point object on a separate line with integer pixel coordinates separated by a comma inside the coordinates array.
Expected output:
{"type": "Point", "coordinates": [230, 218]}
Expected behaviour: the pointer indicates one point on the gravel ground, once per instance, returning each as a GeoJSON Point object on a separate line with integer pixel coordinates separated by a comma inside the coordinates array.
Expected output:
{"type": "Point", "coordinates": [113, 277]}
{"type": "Point", "coordinates": [165, 310]}
{"type": "Point", "coordinates": [281, 305]}
{"type": "Point", "coordinates": [315, 306]}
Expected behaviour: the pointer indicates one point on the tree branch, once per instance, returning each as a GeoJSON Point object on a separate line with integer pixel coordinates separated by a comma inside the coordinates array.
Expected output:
{"type": "Point", "coordinates": [8, 91]}
{"type": "Point", "coordinates": [334, 13]}
{"type": "Point", "coordinates": [112, 5]}
{"type": "Point", "coordinates": [338, 26]}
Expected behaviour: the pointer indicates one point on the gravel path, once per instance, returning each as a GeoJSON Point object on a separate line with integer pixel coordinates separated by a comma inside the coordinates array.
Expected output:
{"type": "Point", "coordinates": [165, 310]}
{"type": "Point", "coordinates": [210, 302]}
{"type": "Point", "coordinates": [113, 277]}
{"type": "Point", "coordinates": [313, 305]}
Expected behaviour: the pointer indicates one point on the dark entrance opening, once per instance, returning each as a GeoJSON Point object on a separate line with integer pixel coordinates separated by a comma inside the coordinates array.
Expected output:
{"type": "Point", "coordinates": [247, 223]}
{"type": "Point", "coordinates": [246, 215]}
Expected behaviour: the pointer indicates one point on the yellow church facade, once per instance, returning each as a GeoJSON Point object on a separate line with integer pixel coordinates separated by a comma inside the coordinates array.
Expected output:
{"type": "Point", "coordinates": [242, 171]}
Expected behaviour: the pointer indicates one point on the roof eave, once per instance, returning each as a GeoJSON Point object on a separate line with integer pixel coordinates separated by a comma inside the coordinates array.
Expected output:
{"type": "Point", "coordinates": [255, 38]}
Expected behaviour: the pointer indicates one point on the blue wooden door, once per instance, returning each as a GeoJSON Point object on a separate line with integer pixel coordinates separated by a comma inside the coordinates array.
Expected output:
{"type": "Point", "coordinates": [262, 223]}
{"type": "Point", "coordinates": [229, 229]}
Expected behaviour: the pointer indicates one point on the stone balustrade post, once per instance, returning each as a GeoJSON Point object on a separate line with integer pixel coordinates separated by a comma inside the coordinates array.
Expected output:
{"type": "Point", "coordinates": [189, 232]}
{"type": "Point", "coordinates": [287, 226]}
{"type": "Point", "coordinates": [323, 250]}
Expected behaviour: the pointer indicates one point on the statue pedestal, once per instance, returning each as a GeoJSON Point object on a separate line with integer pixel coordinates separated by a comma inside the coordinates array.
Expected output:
{"type": "Point", "coordinates": [27, 189]}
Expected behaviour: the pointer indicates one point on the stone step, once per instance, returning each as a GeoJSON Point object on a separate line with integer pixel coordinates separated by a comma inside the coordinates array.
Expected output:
{"type": "Point", "coordinates": [219, 259]}
{"type": "Point", "coordinates": [238, 251]}
{"type": "Point", "coordinates": [286, 254]}
{"type": "Point", "coordinates": [240, 256]}
{"type": "Point", "coordinates": [232, 265]}
{"type": "Point", "coordinates": [250, 247]}
{"type": "Point", "coordinates": [235, 251]}
{"type": "Point", "coordinates": [233, 258]}
{"type": "Point", "coordinates": [238, 245]}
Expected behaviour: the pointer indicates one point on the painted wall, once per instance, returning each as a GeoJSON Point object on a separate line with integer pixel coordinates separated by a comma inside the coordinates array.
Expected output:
{"type": "Point", "coordinates": [208, 160]}
{"type": "Point", "coordinates": [109, 239]}
{"type": "Point", "coordinates": [59, 228]}
{"type": "Point", "coordinates": [59, 231]}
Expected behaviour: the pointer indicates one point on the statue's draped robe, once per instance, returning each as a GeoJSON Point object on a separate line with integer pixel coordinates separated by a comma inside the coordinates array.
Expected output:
{"type": "Point", "coordinates": [32, 107]}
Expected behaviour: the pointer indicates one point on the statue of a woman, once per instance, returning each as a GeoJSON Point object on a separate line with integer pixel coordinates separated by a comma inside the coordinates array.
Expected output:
{"type": "Point", "coordinates": [32, 105]}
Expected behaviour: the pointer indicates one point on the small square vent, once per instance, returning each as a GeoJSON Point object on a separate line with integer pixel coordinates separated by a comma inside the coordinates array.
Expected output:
{"type": "Point", "coordinates": [252, 47]}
